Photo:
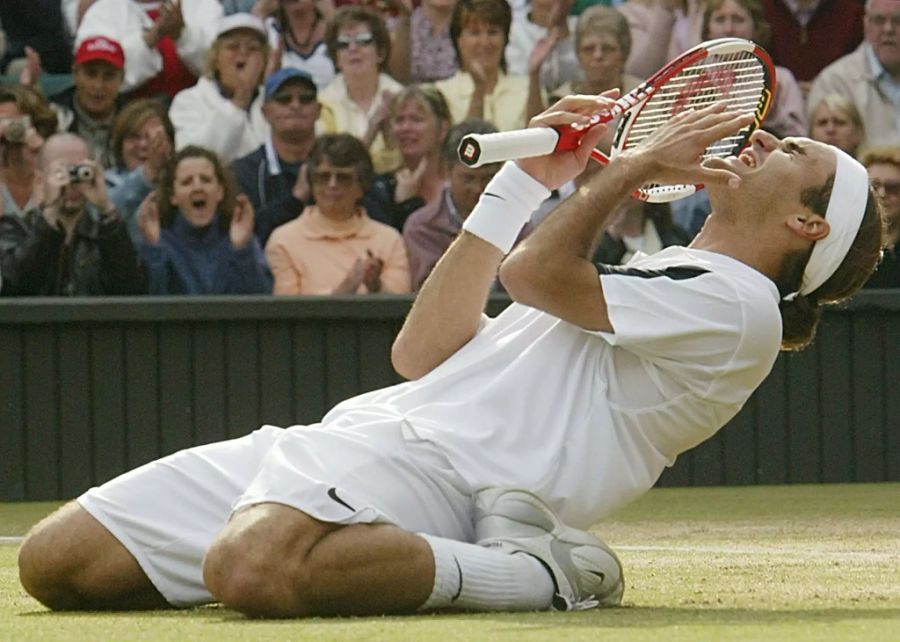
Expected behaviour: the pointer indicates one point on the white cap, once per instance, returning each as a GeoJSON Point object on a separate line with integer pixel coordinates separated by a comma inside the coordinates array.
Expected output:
{"type": "Point", "coordinates": [241, 21]}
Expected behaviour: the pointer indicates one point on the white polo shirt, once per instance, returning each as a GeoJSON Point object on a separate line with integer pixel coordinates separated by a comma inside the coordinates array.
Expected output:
{"type": "Point", "coordinates": [588, 420]}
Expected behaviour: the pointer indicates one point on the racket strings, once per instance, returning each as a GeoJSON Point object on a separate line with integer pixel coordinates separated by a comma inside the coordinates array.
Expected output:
{"type": "Point", "coordinates": [738, 79]}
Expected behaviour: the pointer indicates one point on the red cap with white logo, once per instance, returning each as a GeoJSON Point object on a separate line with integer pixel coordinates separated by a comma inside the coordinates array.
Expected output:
{"type": "Point", "coordinates": [100, 48]}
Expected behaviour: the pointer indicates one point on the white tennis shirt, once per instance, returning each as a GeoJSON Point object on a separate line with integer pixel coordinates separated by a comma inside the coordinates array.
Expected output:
{"type": "Point", "coordinates": [588, 420]}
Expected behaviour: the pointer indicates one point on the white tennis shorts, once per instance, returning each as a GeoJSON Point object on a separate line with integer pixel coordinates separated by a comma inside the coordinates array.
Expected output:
{"type": "Point", "coordinates": [370, 469]}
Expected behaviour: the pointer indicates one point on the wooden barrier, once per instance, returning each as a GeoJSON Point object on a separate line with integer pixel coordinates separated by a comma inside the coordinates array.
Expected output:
{"type": "Point", "coordinates": [92, 387]}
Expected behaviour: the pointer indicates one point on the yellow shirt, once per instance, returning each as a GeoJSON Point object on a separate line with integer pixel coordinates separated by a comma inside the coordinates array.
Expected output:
{"type": "Point", "coordinates": [506, 107]}
{"type": "Point", "coordinates": [342, 115]}
{"type": "Point", "coordinates": [312, 254]}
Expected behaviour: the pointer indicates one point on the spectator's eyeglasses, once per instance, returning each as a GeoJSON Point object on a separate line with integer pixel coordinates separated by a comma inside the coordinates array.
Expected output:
{"type": "Point", "coordinates": [879, 20]}
{"type": "Point", "coordinates": [362, 39]}
{"type": "Point", "coordinates": [303, 98]}
{"type": "Point", "coordinates": [890, 188]}
{"type": "Point", "coordinates": [341, 178]}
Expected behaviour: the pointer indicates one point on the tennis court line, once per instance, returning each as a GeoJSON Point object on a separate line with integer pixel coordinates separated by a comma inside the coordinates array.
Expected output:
{"type": "Point", "coordinates": [10, 540]}
{"type": "Point", "coordinates": [762, 550]}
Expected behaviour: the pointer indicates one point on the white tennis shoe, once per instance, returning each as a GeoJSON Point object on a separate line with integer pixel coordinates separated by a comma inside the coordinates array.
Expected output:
{"type": "Point", "coordinates": [585, 571]}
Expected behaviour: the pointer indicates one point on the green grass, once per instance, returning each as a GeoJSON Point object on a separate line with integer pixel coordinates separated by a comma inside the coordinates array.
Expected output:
{"type": "Point", "coordinates": [791, 563]}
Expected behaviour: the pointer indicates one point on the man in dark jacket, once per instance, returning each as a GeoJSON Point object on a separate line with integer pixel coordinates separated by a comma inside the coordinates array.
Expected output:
{"type": "Point", "coordinates": [271, 177]}
{"type": "Point", "coordinates": [76, 245]}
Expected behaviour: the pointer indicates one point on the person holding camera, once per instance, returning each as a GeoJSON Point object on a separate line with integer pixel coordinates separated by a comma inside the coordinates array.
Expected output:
{"type": "Point", "coordinates": [76, 244]}
{"type": "Point", "coordinates": [25, 121]}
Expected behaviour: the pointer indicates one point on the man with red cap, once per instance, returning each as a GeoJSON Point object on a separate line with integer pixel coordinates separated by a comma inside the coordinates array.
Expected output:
{"type": "Point", "coordinates": [89, 107]}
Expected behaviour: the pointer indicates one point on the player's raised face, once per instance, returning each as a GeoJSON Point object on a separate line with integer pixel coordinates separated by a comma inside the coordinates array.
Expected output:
{"type": "Point", "coordinates": [778, 171]}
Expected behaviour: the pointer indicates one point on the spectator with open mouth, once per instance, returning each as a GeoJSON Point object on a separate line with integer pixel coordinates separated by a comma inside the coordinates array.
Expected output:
{"type": "Point", "coordinates": [223, 111]}
{"type": "Point", "coordinates": [198, 236]}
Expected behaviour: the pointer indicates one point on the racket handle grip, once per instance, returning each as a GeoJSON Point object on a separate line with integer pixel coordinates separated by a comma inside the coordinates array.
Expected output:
{"type": "Point", "coordinates": [476, 150]}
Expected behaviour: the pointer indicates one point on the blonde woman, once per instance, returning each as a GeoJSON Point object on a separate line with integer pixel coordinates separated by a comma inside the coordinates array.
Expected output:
{"type": "Point", "coordinates": [836, 121]}
{"type": "Point", "coordinates": [223, 111]}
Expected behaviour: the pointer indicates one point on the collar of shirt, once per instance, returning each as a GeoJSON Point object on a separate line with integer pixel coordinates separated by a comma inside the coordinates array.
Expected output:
{"type": "Point", "coordinates": [225, 95]}
{"type": "Point", "coordinates": [11, 208]}
{"type": "Point", "coordinates": [886, 83]}
{"type": "Point", "coordinates": [339, 87]}
{"type": "Point", "coordinates": [272, 157]}
{"type": "Point", "coordinates": [455, 218]}
{"type": "Point", "coordinates": [315, 225]}
{"type": "Point", "coordinates": [88, 122]}
{"type": "Point", "coordinates": [803, 12]}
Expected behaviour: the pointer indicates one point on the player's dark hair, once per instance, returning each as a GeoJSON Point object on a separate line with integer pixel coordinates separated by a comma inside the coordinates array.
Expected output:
{"type": "Point", "coordinates": [800, 316]}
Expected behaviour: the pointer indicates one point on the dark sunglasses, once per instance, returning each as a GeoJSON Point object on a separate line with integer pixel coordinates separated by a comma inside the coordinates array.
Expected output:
{"type": "Point", "coordinates": [362, 39]}
{"type": "Point", "coordinates": [342, 179]}
{"type": "Point", "coordinates": [304, 98]}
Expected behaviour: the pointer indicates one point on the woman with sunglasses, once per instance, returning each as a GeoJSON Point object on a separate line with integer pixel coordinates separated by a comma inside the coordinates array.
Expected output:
{"type": "Point", "coordinates": [197, 235]}
{"type": "Point", "coordinates": [357, 102]}
{"type": "Point", "coordinates": [333, 247]}
{"type": "Point", "coordinates": [297, 37]}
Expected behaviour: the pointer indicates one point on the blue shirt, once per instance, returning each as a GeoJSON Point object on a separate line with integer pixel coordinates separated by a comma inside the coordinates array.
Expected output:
{"type": "Point", "coordinates": [202, 260]}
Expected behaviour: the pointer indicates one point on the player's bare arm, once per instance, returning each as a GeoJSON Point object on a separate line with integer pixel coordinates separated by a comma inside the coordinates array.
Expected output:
{"type": "Point", "coordinates": [447, 311]}
{"type": "Point", "coordinates": [552, 270]}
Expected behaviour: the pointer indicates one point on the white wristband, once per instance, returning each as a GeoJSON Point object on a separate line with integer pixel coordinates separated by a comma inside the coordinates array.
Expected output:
{"type": "Point", "coordinates": [505, 206]}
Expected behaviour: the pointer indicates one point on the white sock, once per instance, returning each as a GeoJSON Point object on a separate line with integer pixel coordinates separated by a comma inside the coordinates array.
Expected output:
{"type": "Point", "coordinates": [468, 576]}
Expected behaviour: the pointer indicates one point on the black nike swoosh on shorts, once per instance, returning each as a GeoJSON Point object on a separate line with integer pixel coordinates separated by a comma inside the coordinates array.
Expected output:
{"type": "Point", "coordinates": [332, 493]}
{"type": "Point", "coordinates": [492, 195]}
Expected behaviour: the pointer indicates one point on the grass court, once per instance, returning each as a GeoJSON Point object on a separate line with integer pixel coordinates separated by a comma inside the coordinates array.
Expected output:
{"type": "Point", "coordinates": [765, 563]}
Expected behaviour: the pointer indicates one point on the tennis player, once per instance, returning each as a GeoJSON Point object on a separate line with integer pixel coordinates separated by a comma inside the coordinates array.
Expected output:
{"type": "Point", "coordinates": [468, 485]}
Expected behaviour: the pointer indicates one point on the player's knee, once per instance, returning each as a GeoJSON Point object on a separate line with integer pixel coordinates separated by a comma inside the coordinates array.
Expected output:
{"type": "Point", "coordinates": [43, 574]}
{"type": "Point", "coordinates": [254, 580]}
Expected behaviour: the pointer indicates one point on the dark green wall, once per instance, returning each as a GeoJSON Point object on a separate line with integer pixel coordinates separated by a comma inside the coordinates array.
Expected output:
{"type": "Point", "coordinates": [90, 388]}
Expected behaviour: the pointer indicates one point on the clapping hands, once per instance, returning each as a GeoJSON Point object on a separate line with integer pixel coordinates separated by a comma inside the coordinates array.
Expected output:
{"type": "Point", "coordinates": [242, 221]}
{"type": "Point", "coordinates": [364, 271]}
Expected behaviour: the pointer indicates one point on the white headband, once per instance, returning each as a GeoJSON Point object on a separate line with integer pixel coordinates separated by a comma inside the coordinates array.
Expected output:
{"type": "Point", "coordinates": [846, 207]}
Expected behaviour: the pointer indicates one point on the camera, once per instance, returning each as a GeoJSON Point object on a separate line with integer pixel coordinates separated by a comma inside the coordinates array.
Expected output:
{"type": "Point", "coordinates": [81, 174]}
{"type": "Point", "coordinates": [16, 129]}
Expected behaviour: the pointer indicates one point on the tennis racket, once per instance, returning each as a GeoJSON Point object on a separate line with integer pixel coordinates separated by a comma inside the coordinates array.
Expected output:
{"type": "Point", "coordinates": [732, 70]}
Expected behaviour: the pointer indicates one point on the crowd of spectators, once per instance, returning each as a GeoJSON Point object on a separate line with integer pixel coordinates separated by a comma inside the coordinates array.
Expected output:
{"type": "Point", "coordinates": [309, 146]}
